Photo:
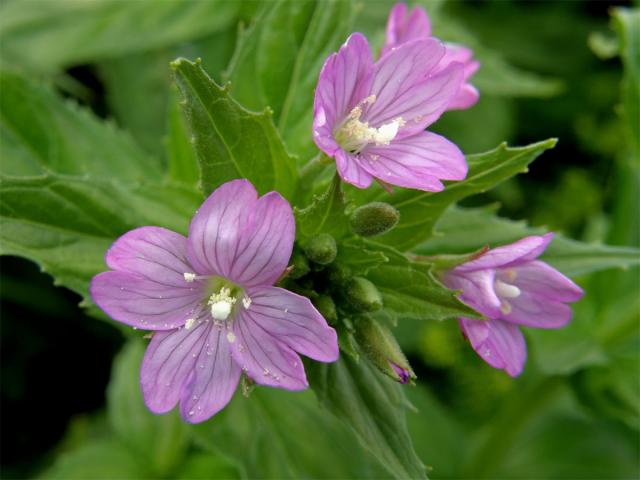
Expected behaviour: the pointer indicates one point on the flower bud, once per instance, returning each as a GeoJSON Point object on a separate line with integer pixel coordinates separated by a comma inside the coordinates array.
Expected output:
{"type": "Point", "coordinates": [327, 308]}
{"type": "Point", "coordinates": [300, 265]}
{"type": "Point", "coordinates": [381, 347]}
{"type": "Point", "coordinates": [363, 295]}
{"type": "Point", "coordinates": [374, 219]}
{"type": "Point", "coordinates": [321, 249]}
{"type": "Point", "coordinates": [339, 274]}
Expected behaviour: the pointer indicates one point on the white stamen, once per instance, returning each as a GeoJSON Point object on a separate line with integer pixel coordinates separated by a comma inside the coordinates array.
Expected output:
{"type": "Point", "coordinates": [231, 337]}
{"type": "Point", "coordinates": [505, 307]}
{"type": "Point", "coordinates": [189, 277]}
{"type": "Point", "coordinates": [189, 323]}
{"type": "Point", "coordinates": [246, 303]}
{"type": "Point", "coordinates": [221, 304]}
{"type": "Point", "coordinates": [506, 290]}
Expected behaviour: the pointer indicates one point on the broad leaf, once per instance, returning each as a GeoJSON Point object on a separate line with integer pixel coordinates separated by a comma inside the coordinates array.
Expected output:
{"type": "Point", "coordinates": [47, 36]}
{"type": "Point", "coordinates": [324, 215]}
{"type": "Point", "coordinates": [420, 210]}
{"type": "Point", "coordinates": [66, 224]}
{"type": "Point", "coordinates": [183, 163]}
{"type": "Point", "coordinates": [374, 408]}
{"type": "Point", "coordinates": [41, 133]}
{"type": "Point", "coordinates": [462, 230]}
{"type": "Point", "coordinates": [278, 59]}
{"type": "Point", "coordinates": [231, 142]}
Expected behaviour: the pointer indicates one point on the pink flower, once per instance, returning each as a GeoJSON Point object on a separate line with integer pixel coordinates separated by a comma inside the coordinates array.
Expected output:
{"type": "Point", "coordinates": [511, 288]}
{"type": "Point", "coordinates": [371, 116]}
{"type": "Point", "coordinates": [210, 300]}
{"type": "Point", "coordinates": [404, 26]}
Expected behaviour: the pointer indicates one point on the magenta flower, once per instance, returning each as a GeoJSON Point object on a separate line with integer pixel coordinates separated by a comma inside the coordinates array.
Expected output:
{"type": "Point", "coordinates": [511, 288]}
{"type": "Point", "coordinates": [210, 300]}
{"type": "Point", "coordinates": [404, 26]}
{"type": "Point", "coordinates": [371, 116]}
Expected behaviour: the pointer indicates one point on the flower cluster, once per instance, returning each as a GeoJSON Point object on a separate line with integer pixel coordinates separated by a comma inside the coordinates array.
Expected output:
{"type": "Point", "coordinates": [209, 298]}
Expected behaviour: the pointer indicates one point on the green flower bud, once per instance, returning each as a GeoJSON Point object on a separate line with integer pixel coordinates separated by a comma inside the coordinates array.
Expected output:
{"type": "Point", "coordinates": [374, 219]}
{"type": "Point", "coordinates": [339, 274]}
{"type": "Point", "coordinates": [300, 265]}
{"type": "Point", "coordinates": [381, 347]}
{"type": "Point", "coordinates": [327, 308]}
{"type": "Point", "coordinates": [363, 295]}
{"type": "Point", "coordinates": [321, 249]}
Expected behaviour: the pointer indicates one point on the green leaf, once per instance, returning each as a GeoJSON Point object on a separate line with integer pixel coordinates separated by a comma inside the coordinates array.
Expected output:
{"type": "Point", "coordinates": [462, 230]}
{"type": "Point", "coordinates": [278, 60]}
{"type": "Point", "coordinates": [40, 133]}
{"type": "Point", "coordinates": [374, 408]}
{"type": "Point", "coordinates": [183, 163]}
{"type": "Point", "coordinates": [46, 36]}
{"type": "Point", "coordinates": [231, 142]}
{"type": "Point", "coordinates": [66, 224]}
{"type": "Point", "coordinates": [409, 290]}
{"type": "Point", "coordinates": [419, 211]}
{"type": "Point", "coordinates": [205, 466]}
{"type": "Point", "coordinates": [324, 215]}
{"type": "Point", "coordinates": [359, 256]}
{"type": "Point", "coordinates": [161, 440]}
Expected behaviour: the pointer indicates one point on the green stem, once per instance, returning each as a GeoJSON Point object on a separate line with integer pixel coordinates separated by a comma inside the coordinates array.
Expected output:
{"type": "Point", "coordinates": [314, 168]}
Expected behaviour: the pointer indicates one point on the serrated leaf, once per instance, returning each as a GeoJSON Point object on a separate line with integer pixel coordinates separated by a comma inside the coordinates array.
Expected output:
{"type": "Point", "coordinates": [40, 133]}
{"type": "Point", "coordinates": [419, 211]}
{"type": "Point", "coordinates": [230, 141]}
{"type": "Point", "coordinates": [409, 290]}
{"type": "Point", "coordinates": [463, 230]}
{"type": "Point", "coordinates": [183, 163]}
{"type": "Point", "coordinates": [66, 224]}
{"type": "Point", "coordinates": [46, 36]}
{"type": "Point", "coordinates": [161, 440]}
{"type": "Point", "coordinates": [324, 215]}
{"type": "Point", "coordinates": [373, 406]}
{"type": "Point", "coordinates": [278, 60]}
{"type": "Point", "coordinates": [359, 256]}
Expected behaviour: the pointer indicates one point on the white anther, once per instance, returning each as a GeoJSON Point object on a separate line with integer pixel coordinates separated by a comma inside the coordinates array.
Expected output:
{"type": "Point", "coordinates": [506, 290]}
{"type": "Point", "coordinates": [221, 304]}
{"type": "Point", "coordinates": [189, 277]}
{"type": "Point", "coordinates": [189, 323]}
{"type": "Point", "coordinates": [505, 307]}
{"type": "Point", "coordinates": [231, 337]}
{"type": "Point", "coordinates": [246, 303]}
{"type": "Point", "coordinates": [354, 135]}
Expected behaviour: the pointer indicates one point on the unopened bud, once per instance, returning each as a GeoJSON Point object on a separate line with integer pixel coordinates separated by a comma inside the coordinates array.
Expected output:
{"type": "Point", "coordinates": [327, 308]}
{"type": "Point", "coordinates": [374, 219]}
{"type": "Point", "coordinates": [339, 274]}
{"type": "Point", "coordinates": [363, 295]}
{"type": "Point", "coordinates": [383, 350]}
{"type": "Point", "coordinates": [300, 265]}
{"type": "Point", "coordinates": [321, 249]}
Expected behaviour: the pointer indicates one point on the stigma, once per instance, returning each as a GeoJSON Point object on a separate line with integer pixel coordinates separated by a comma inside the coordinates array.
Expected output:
{"type": "Point", "coordinates": [221, 304]}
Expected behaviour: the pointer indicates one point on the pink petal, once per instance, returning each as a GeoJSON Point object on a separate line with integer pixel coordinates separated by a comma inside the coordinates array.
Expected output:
{"type": "Point", "coordinates": [477, 290]}
{"type": "Point", "coordinates": [403, 27]}
{"type": "Point", "coordinates": [265, 245]}
{"type": "Point", "coordinates": [213, 379]}
{"type": "Point", "coordinates": [499, 343]}
{"type": "Point", "coordinates": [350, 171]}
{"type": "Point", "coordinates": [216, 227]}
{"type": "Point", "coordinates": [534, 310]}
{"type": "Point", "coordinates": [539, 278]}
{"type": "Point", "coordinates": [416, 162]}
{"type": "Point", "coordinates": [345, 80]}
{"type": "Point", "coordinates": [168, 362]}
{"type": "Point", "coordinates": [294, 321]}
{"type": "Point", "coordinates": [514, 254]}
{"type": "Point", "coordinates": [265, 358]}
{"type": "Point", "coordinates": [467, 97]}
{"type": "Point", "coordinates": [403, 86]}
{"type": "Point", "coordinates": [135, 300]}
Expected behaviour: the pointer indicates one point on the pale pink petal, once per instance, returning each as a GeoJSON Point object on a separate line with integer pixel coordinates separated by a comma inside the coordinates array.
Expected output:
{"type": "Point", "coordinates": [294, 321]}
{"type": "Point", "coordinates": [265, 358]}
{"type": "Point", "coordinates": [416, 162]}
{"type": "Point", "coordinates": [467, 97]}
{"type": "Point", "coordinates": [350, 171]}
{"type": "Point", "coordinates": [421, 104]}
{"type": "Point", "coordinates": [517, 253]}
{"type": "Point", "coordinates": [264, 246]}
{"type": "Point", "coordinates": [213, 379]}
{"type": "Point", "coordinates": [539, 278]}
{"type": "Point", "coordinates": [477, 290]}
{"type": "Point", "coordinates": [216, 227]}
{"type": "Point", "coordinates": [167, 365]}
{"type": "Point", "coordinates": [403, 26]}
{"type": "Point", "coordinates": [136, 300]}
{"type": "Point", "coordinates": [533, 310]}
{"type": "Point", "coordinates": [498, 343]}
{"type": "Point", "coordinates": [345, 80]}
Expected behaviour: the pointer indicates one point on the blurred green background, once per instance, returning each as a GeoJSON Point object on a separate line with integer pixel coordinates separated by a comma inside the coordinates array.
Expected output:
{"type": "Point", "coordinates": [71, 407]}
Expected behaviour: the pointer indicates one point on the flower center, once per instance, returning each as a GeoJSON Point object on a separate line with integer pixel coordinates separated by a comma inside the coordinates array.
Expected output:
{"type": "Point", "coordinates": [221, 304]}
{"type": "Point", "coordinates": [354, 135]}
{"type": "Point", "coordinates": [505, 290]}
